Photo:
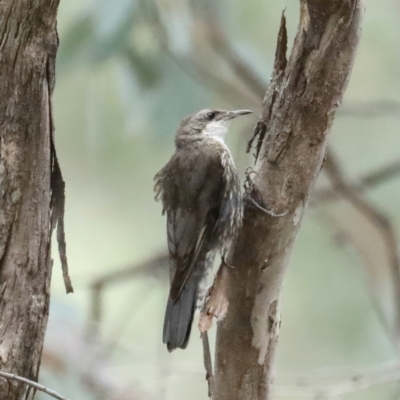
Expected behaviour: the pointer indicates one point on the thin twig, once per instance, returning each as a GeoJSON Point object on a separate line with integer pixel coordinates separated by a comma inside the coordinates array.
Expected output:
{"type": "Point", "coordinates": [217, 83]}
{"type": "Point", "coordinates": [379, 221]}
{"type": "Point", "coordinates": [379, 176]}
{"type": "Point", "coordinates": [350, 243]}
{"type": "Point", "coordinates": [155, 267]}
{"type": "Point", "coordinates": [226, 87]}
{"type": "Point", "coordinates": [35, 385]}
{"type": "Point", "coordinates": [370, 180]}
{"type": "Point", "coordinates": [224, 48]}
{"type": "Point", "coordinates": [356, 381]}
{"type": "Point", "coordinates": [370, 109]}
{"type": "Point", "coordinates": [201, 72]}
{"type": "Point", "coordinates": [207, 362]}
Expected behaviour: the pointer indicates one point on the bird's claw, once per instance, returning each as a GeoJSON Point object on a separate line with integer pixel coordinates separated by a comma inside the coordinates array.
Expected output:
{"type": "Point", "coordinates": [249, 187]}
{"type": "Point", "coordinates": [225, 264]}
{"type": "Point", "coordinates": [268, 212]}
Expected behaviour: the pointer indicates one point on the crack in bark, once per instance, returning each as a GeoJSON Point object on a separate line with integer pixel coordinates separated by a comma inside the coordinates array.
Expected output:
{"type": "Point", "coordinates": [260, 130]}
{"type": "Point", "coordinates": [6, 244]}
{"type": "Point", "coordinates": [279, 145]}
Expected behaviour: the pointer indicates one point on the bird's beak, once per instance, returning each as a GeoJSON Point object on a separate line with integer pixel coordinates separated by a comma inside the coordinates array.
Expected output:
{"type": "Point", "coordinates": [237, 113]}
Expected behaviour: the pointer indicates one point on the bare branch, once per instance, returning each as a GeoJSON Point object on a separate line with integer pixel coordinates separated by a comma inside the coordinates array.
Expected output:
{"type": "Point", "coordinates": [219, 84]}
{"type": "Point", "coordinates": [354, 381]}
{"type": "Point", "coordinates": [207, 363]}
{"type": "Point", "coordinates": [371, 109]}
{"type": "Point", "coordinates": [348, 238]}
{"type": "Point", "coordinates": [200, 71]}
{"type": "Point", "coordinates": [226, 87]}
{"type": "Point", "coordinates": [35, 385]}
{"type": "Point", "coordinates": [379, 221]}
{"type": "Point", "coordinates": [374, 178]}
{"type": "Point", "coordinates": [224, 48]}
{"type": "Point", "coordinates": [155, 267]}
{"type": "Point", "coordinates": [381, 175]}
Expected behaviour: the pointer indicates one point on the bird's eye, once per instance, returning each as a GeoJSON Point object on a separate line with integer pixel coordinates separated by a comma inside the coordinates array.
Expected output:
{"type": "Point", "coordinates": [210, 115]}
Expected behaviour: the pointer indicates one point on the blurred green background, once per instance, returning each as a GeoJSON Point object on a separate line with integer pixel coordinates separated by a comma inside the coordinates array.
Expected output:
{"type": "Point", "coordinates": [128, 71]}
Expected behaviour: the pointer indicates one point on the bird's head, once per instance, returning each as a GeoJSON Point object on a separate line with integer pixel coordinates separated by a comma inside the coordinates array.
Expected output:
{"type": "Point", "coordinates": [208, 122]}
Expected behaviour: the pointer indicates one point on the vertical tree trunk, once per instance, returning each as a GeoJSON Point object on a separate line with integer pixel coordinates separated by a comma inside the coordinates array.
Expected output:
{"type": "Point", "coordinates": [298, 111]}
{"type": "Point", "coordinates": [29, 181]}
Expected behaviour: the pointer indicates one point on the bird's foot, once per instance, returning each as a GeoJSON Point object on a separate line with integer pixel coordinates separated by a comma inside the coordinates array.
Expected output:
{"type": "Point", "coordinates": [268, 212]}
{"type": "Point", "coordinates": [224, 263]}
{"type": "Point", "coordinates": [216, 303]}
{"type": "Point", "coordinates": [251, 189]}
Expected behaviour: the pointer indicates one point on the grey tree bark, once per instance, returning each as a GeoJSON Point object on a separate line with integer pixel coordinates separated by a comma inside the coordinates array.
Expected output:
{"type": "Point", "coordinates": [31, 185]}
{"type": "Point", "coordinates": [298, 111]}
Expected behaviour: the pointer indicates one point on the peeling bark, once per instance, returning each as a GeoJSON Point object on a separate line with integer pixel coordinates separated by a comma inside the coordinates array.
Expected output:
{"type": "Point", "coordinates": [29, 185]}
{"type": "Point", "coordinates": [298, 111]}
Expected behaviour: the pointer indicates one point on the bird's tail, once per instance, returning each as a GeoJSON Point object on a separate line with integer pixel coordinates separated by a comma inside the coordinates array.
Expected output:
{"type": "Point", "coordinates": [179, 316]}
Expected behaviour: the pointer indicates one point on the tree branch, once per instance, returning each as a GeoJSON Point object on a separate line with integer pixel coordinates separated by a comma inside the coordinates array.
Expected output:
{"type": "Point", "coordinates": [35, 385]}
{"type": "Point", "coordinates": [374, 178]}
{"type": "Point", "coordinates": [225, 50]}
{"type": "Point", "coordinates": [354, 381]}
{"type": "Point", "coordinates": [371, 109]}
{"type": "Point", "coordinates": [381, 224]}
{"type": "Point", "coordinates": [201, 72]}
{"type": "Point", "coordinates": [154, 267]}
{"type": "Point", "coordinates": [207, 363]}
{"type": "Point", "coordinates": [298, 111]}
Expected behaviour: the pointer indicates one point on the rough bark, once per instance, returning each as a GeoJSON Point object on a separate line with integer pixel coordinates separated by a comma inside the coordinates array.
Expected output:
{"type": "Point", "coordinates": [31, 186]}
{"type": "Point", "coordinates": [298, 111]}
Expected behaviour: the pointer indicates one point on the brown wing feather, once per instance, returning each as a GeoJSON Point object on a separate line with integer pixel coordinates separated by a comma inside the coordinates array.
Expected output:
{"type": "Point", "coordinates": [186, 266]}
{"type": "Point", "coordinates": [190, 189]}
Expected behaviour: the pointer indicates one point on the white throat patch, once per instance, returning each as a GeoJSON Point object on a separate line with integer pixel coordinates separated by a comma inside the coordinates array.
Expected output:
{"type": "Point", "coordinates": [216, 130]}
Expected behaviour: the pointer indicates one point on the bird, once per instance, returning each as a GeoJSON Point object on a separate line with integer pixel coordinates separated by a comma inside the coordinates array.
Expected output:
{"type": "Point", "coordinates": [200, 193]}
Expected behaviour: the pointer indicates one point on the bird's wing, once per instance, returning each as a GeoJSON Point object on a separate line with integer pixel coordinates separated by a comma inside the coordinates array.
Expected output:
{"type": "Point", "coordinates": [159, 184]}
{"type": "Point", "coordinates": [186, 234]}
{"type": "Point", "coordinates": [231, 205]}
{"type": "Point", "coordinates": [190, 187]}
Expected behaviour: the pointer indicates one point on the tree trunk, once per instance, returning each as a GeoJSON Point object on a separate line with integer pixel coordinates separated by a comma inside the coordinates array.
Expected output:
{"type": "Point", "coordinates": [31, 200]}
{"type": "Point", "coordinates": [298, 111]}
